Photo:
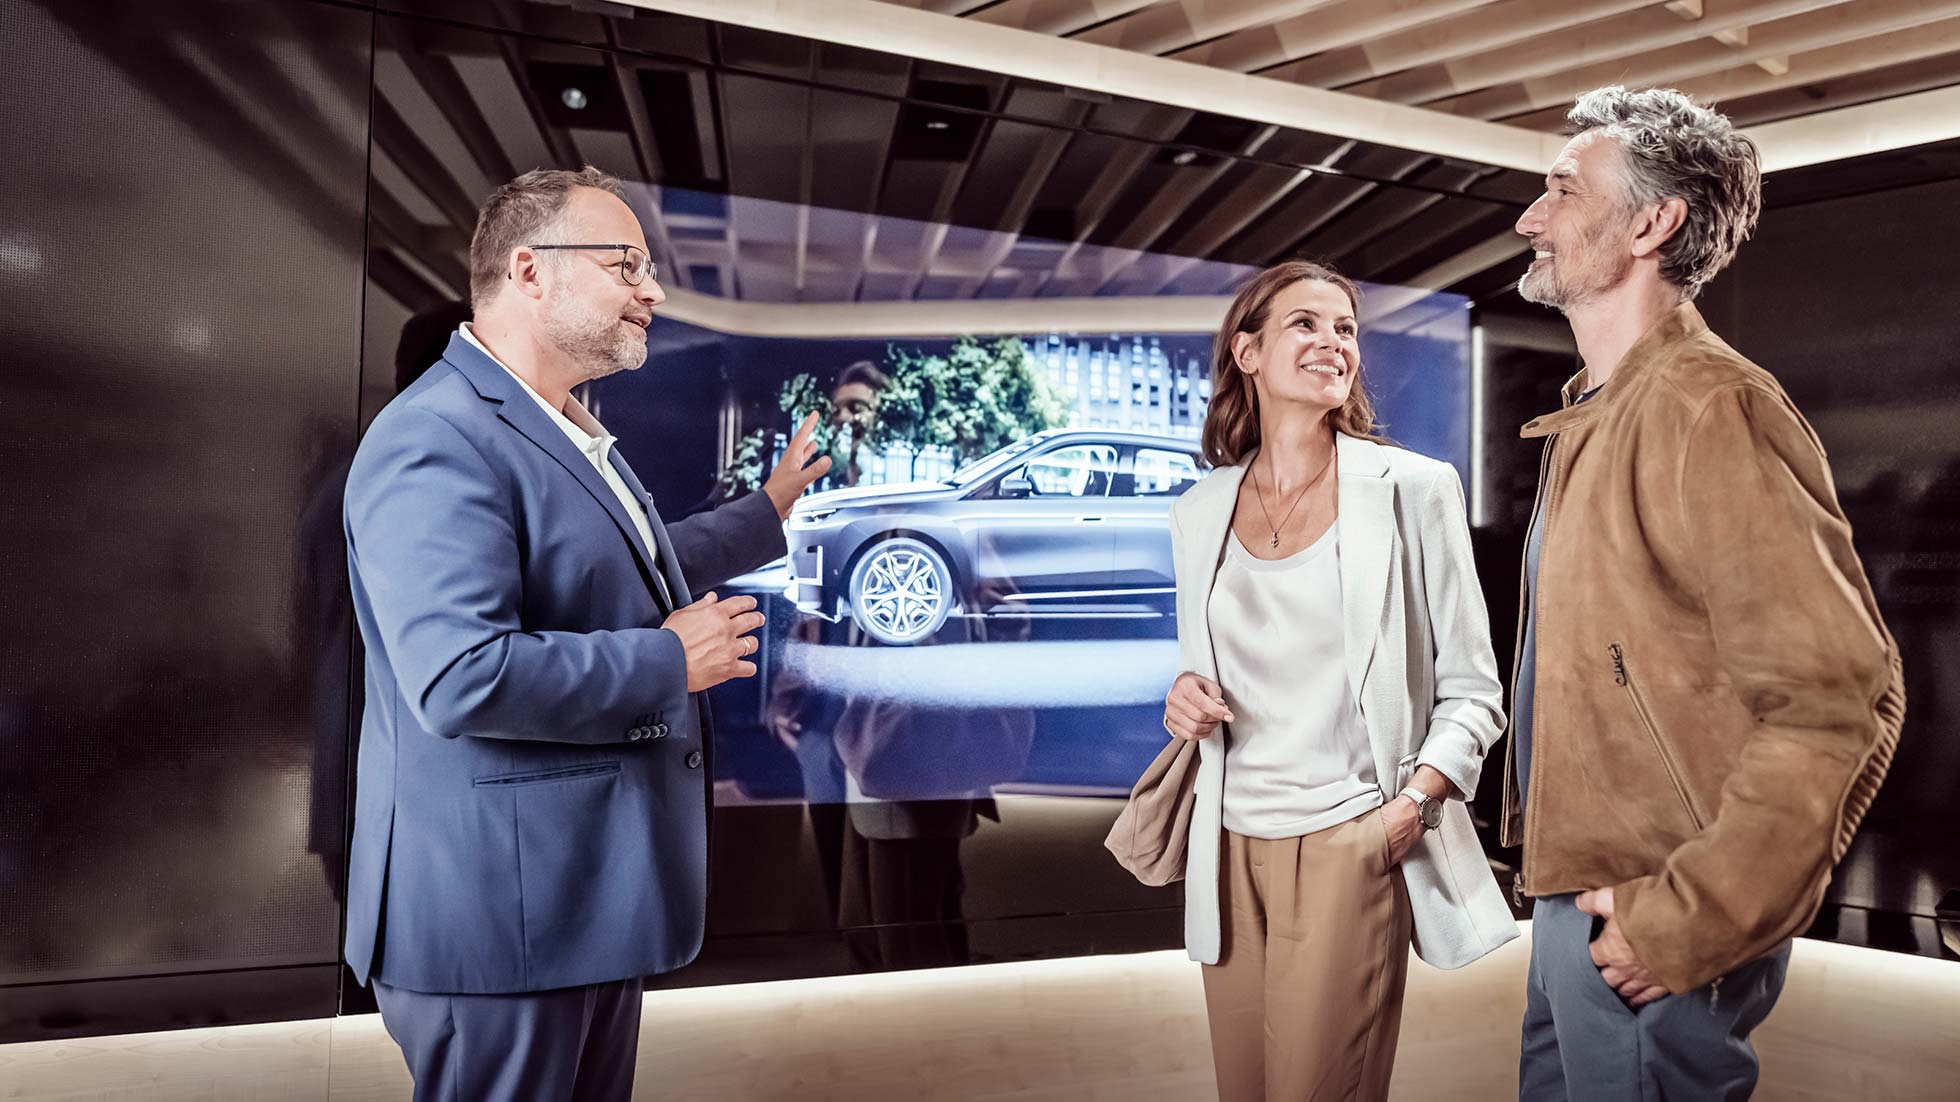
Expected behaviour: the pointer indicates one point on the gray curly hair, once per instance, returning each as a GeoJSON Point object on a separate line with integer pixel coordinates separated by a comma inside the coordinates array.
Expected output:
{"type": "Point", "coordinates": [1677, 148]}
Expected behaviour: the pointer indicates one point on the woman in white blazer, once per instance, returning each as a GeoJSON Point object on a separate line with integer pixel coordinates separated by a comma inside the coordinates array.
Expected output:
{"type": "Point", "coordinates": [1337, 669]}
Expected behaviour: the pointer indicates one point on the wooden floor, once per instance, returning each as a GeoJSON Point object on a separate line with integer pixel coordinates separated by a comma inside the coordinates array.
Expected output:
{"type": "Point", "coordinates": [1853, 1024]}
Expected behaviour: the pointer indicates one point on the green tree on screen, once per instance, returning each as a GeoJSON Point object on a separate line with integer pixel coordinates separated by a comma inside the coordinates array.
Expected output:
{"type": "Point", "coordinates": [974, 399]}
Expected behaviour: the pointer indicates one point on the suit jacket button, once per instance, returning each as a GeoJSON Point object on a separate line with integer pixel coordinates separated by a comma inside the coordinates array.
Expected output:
{"type": "Point", "coordinates": [636, 733]}
{"type": "Point", "coordinates": [658, 730]}
{"type": "Point", "coordinates": [694, 759]}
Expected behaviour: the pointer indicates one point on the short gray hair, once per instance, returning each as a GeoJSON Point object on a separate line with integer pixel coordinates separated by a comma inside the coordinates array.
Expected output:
{"type": "Point", "coordinates": [518, 213]}
{"type": "Point", "coordinates": [1677, 148]}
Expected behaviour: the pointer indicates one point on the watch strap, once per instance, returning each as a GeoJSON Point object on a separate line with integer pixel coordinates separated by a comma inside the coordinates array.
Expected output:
{"type": "Point", "coordinates": [1422, 800]}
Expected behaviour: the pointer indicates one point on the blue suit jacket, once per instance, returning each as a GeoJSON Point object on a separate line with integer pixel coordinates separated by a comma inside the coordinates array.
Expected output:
{"type": "Point", "coordinates": [532, 799]}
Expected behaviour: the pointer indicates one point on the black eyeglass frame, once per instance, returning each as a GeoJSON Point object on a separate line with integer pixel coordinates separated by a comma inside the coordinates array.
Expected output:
{"type": "Point", "coordinates": [625, 255]}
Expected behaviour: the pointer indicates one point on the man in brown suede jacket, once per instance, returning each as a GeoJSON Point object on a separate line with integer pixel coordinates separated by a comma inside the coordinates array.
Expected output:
{"type": "Point", "coordinates": [1706, 699]}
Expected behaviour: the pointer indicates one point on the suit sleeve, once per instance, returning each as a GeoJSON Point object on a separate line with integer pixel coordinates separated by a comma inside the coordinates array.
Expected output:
{"type": "Point", "coordinates": [728, 541]}
{"type": "Point", "coordinates": [433, 549]}
{"type": "Point", "coordinates": [1467, 712]}
{"type": "Point", "coordinates": [1800, 640]}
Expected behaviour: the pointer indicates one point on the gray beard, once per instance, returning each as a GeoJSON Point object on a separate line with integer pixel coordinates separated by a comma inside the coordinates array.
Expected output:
{"type": "Point", "coordinates": [1543, 288]}
{"type": "Point", "coordinates": [1539, 288]}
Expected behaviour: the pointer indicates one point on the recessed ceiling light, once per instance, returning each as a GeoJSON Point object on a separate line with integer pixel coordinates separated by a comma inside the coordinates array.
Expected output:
{"type": "Point", "coordinates": [1183, 157]}
{"type": "Point", "coordinates": [938, 124]}
{"type": "Point", "coordinates": [573, 98]}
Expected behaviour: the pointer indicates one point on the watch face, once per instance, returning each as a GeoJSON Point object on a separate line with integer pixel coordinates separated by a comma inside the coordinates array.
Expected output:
{"type": "Point", "coordinates": [1432, 814]}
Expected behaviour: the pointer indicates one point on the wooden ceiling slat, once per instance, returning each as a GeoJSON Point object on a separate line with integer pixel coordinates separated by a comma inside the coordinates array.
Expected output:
{"type": "Point", "coordinates": [1345, 25]}
{"type": "Point", "coordinates": [1479, 30]}
{"type": "Point", "coordinates": [1057, 16]}
{"type": "Point", "coordinates": [1163, 28]}
{"type": "Point", "coordinates": [1667, 67]}
{"type": "Point", "coordinates": [1602, 42]}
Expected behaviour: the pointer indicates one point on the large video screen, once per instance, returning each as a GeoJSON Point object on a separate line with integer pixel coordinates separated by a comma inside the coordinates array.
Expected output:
{"type": "Point", "coordinates": [969, 642]}
{"type": "Point", "coordinates": [978, 598]}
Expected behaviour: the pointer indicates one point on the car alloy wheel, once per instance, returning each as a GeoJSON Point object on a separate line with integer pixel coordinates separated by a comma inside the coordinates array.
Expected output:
{"type": "Point", "coordinates": [901, 592]}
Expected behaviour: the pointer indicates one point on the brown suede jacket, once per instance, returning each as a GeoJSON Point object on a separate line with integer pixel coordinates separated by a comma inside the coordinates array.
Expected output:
{"type": "Point", "coordinates": [1717, 698]}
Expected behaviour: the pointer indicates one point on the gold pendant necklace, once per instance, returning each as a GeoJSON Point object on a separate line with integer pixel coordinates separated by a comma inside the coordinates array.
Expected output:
{"type": "Point", "coordinates": [1297, 498]}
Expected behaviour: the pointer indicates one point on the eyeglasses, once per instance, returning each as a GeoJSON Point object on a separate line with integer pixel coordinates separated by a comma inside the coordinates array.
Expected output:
{"type": "Point", "coordinates": [633, 265]}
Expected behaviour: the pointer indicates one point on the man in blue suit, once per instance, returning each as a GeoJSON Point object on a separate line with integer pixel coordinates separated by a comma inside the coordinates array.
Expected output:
{"type": "Point", "coordinates": [531, 816]}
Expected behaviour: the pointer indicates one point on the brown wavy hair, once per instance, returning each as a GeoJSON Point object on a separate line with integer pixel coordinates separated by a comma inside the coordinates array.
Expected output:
{"type": "Point", "coordinates": [1232, 422]}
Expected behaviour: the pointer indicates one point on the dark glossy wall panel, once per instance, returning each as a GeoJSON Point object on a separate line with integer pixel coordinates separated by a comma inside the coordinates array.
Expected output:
{"type": "Point", "coordinates": [1861, 332]}
{"type": "Point", "coordinates": [180, 231]}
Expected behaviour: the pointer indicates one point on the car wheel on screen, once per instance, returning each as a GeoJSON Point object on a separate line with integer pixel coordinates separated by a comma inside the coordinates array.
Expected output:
{"type": "Point", "coordinates": [901, 591]}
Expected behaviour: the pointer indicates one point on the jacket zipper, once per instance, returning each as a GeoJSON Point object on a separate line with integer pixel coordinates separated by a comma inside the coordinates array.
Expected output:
{"type": "Point", "coordinates": [1622, 678]}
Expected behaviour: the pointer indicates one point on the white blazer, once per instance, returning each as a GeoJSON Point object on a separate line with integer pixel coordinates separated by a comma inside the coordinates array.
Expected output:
{"type": "Point", "coordinates": [1419, 663]}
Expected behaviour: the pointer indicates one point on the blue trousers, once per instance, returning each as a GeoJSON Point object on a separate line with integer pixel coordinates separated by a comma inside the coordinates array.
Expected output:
{"type": "Point", "coordinates": [1581, 1043]}
{"type": "Point", "coordinates": [572, 1045]}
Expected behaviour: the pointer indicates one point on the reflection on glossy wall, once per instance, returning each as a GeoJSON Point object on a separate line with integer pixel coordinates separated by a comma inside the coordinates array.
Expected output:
{"type": "Point", "coordinates": [180, 258]}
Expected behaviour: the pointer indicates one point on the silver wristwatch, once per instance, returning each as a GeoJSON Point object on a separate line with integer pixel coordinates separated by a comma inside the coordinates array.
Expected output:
{"type": "Point", "coordinates": [1429, 809]}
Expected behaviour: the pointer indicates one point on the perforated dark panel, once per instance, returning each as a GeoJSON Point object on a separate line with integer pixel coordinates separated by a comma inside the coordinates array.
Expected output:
{"type": "Point", "coordinates": [180, 262]}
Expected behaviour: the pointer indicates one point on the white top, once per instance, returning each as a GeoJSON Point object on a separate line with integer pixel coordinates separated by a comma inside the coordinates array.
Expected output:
{"type": "Point", "coordinates": [1297, 758]}
{"type": "Point", "coordinates": [596, 444]}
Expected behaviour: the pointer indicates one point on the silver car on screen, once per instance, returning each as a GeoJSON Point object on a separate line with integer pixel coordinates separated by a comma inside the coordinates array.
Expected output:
{"type": "Point", "coordinates": [1071, 522]}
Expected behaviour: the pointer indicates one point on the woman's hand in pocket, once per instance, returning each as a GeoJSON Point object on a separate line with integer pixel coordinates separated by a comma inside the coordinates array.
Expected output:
{"type": "Point", "coordinates": [1403, 822]}
{"type": "Point", "coordinates": [1195, 707]}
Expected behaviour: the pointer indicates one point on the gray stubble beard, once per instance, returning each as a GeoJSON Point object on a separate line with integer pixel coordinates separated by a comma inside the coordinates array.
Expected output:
{"type": "Point", "coordinates": [598, 351]}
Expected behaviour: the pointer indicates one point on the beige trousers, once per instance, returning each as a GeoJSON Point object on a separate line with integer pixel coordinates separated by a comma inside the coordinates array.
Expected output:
{"type": "Point", "coordinates": [1305, 1001]}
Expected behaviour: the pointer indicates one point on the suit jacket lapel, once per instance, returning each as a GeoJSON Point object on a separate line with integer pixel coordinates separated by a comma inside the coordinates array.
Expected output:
{"type": "Point", "coordinates": [1367, 520]}
{"type": "Point", "coordinates": [521, 412]}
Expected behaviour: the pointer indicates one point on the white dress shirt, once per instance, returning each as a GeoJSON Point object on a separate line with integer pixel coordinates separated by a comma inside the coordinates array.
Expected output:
{"type": "Point", "coordinates": [596, 444]}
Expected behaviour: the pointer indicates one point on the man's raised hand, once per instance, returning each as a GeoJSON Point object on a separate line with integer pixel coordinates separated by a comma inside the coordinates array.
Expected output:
{"type": "Point", "coordinates": [795, 472]}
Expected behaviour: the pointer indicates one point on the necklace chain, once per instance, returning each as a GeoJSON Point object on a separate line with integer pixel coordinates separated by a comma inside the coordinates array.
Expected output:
{"type": "Point", "coordinates": [1297, 498]}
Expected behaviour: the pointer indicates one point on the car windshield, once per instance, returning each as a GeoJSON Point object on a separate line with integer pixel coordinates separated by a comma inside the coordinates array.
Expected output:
{"type": "Point", "coordinates": [986, 464]}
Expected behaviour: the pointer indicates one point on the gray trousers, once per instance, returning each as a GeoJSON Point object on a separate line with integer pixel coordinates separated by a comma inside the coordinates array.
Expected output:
{"type": "Point", "coordinates": [1581, 1043]}
{"type": "Point", "coordinates": [572, 1045]}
